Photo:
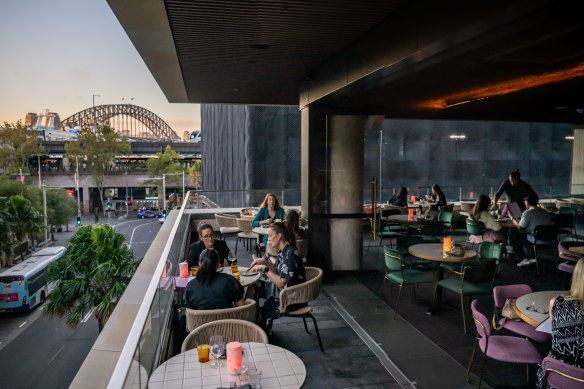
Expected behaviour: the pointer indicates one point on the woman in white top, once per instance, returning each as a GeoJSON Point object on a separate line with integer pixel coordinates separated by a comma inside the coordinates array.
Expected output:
{"type": "Point", "coordinates": [480, 212]}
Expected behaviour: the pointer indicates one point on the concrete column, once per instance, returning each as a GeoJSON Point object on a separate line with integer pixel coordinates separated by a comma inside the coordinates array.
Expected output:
{"type": "Point", "coordinates": [346, 147]}
{"type": "Point", "coordinates": [332, 186]}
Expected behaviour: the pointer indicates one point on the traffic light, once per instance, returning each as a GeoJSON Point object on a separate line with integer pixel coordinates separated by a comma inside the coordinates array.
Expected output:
{"type": "Point", "coordinates": [109, 205]}
{"type": "Point", "coordinates": [129, 203]}
{"type": "Point", "coordinates": [78, 220]}
{"type": "Point", "coordinates": [164, 213]}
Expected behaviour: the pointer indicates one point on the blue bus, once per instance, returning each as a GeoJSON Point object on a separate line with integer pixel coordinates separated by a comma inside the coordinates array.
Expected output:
{"type": "Point", "coordinates": [23, 286]}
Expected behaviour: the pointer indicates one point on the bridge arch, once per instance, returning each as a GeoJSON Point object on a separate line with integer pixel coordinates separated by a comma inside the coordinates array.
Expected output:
{"type": "Point", "coordinates": [102, 113]}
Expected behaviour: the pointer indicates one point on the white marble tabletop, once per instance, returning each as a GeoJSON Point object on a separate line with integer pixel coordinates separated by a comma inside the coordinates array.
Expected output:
{"type": "Point", "coordinates": [280, 369]}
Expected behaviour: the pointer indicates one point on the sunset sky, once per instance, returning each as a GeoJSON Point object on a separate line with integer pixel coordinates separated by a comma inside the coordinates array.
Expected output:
{"type": "Point", "coordinates": [57, 54]}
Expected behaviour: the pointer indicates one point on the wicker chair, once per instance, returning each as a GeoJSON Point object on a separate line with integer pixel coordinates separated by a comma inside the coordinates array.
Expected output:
{"type": "Point", "coordinates": [303, 293]}
{"type": "Point", "coordinates": [232, 330]}
{"type": "Point", "coordinates": [227, 224]}
{"type": "Point", "coordinates": [246, 233]}
{"type": "Point", "coordinates": [198, 317]}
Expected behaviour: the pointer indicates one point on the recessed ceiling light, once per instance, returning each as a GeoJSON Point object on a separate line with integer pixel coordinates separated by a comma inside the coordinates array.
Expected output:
{"type": "Point", "coordinates": [455, 136]}
{"type": "Point", "coordinates": [569, 137]}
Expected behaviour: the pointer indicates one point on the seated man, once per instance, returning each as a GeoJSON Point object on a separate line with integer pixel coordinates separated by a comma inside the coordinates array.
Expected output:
{"type": "Point", "coordinates": [207, 241]}
{"type": "Point", "coordinates": [210, 289]}
{"type": "Point", "coordinates": [287, 271]}
{"type": "Point", "coordinates": [532, 217]}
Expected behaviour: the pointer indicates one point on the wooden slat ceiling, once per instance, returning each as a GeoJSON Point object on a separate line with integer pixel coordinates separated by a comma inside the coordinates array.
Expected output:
{"type": "Point", "coordinates": [246, 47]}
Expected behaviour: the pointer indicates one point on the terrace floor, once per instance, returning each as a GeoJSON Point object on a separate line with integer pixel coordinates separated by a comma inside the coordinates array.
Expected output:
{"type": "Point", "coordinates": [365, 347]}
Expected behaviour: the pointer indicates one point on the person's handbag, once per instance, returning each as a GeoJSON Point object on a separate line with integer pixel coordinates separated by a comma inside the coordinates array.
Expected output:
{"type": "Point", "coordinates": [508, 310]}
{"type": "Point", "coordinates": [507, 313]}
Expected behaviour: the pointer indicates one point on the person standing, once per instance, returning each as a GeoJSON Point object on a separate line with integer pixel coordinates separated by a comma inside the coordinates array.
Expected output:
{"type": "Point", "coordinates": [516, 190]}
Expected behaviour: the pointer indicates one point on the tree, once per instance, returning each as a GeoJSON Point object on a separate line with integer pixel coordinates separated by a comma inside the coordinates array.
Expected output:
{"type": "Point", "coordinates": [60, 208]}
{"type": "Point", "coordinates": [23, 219]}
{"type": "Point", "coordinates": [93, 273]}
{"type": "Point", "coordinates": [6, 241]}
{"type": "Point", "coordinates": [97, 147]}
{"type": "Point", "coordinates": [195, 172]}
{"type": "Point", "coordinates": [164, 163]}
{"type": "Point", "coordinates": [9, 187]}
{"type": "Point", "coordinates": [17, 145]}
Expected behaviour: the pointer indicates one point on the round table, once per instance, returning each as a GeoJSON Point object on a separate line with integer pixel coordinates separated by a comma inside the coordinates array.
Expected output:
{"type": "Point", "coordinates": [243, 280]}
{"type": "Point", "coordinates": [435, 252]}
{"type": "Point", "coordinates": [542, 303]}
{"type": "Point", "coordinates": [280, 369]}
{"type": "Point", "coordinates": [261, 230]}
{"type": "Point", "coordinates": [406, 219]}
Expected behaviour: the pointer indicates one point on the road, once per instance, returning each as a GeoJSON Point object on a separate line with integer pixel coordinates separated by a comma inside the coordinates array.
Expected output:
{"type": "Point", "coordinates": [39, 352]}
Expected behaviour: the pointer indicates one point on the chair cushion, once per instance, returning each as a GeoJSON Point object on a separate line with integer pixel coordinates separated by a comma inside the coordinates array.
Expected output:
{"type": "Point", "coordinates": [510, 349]}
{"type": "Point", "coordinates": [524, 329]}
{"type": "Point", "coordinates": [228, 230]}
{"type": "Point", "coordinates": [301, 311]}
{"type": "Point", "coordinates": [470, 289]}
{"type": "Point", "coordinates": [247, 235]}
{"type": "Point", "coordinates": [411, 277]}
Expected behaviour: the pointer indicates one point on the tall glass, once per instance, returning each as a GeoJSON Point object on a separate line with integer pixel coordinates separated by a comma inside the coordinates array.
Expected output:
{"type": "Point", "coordinates": [217, 350]}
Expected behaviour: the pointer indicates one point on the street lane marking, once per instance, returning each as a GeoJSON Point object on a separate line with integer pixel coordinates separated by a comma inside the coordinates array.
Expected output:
{"type": "Point", "coordinates": [20, 326]}
{"type": "Point", "coordinates": [55, 356]}
{"type": "Point", "coordinates": [88, 316]}
{"type": "Point", "coordinates": [134, 230]}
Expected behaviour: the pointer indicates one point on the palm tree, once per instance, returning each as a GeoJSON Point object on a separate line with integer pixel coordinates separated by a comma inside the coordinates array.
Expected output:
{"type": "Point", "coordinates": [93, 273]}
{"type": "Point", "coordinates": [23, 219]}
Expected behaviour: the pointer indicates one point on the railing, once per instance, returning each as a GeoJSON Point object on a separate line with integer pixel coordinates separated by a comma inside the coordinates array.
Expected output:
{"type": "Point", "coordinates": [470, 193]}
{"type": "Point", "coordinates": [244, 198]}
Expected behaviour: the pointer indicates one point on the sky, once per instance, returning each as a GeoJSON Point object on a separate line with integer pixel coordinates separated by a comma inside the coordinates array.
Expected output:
{"type": "Point", "coordinates": [56, 54]}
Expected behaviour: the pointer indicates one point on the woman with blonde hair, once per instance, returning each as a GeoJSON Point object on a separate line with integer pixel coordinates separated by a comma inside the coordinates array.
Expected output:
{"type": "Point", "coordinates": [270, 211]}
{"type": "Point", "coordinates": [567, 318]}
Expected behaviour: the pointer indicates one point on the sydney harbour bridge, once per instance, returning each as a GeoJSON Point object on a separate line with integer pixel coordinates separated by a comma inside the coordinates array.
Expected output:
{"type": "Point", "coordinates": [128, 120]}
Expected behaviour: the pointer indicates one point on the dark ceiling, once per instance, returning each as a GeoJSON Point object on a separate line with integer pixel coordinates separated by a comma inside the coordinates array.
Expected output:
{"type": "Point", "coordinates": [257, 52]}
{"type": "Point", "coordinates": [495, 60]}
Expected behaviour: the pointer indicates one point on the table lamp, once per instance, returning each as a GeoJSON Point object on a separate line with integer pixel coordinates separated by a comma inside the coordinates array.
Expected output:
{"type": "Point", "coordinates": [233, 350]}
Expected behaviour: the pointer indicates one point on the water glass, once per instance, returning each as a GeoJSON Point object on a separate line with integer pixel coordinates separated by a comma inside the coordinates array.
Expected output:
{"type": "Point", "coordinates": [254, 377]}
{"type": "Point", "coordinates": [217, 350]}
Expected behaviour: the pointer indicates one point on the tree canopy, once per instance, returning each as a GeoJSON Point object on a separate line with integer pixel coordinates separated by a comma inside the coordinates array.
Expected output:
{"type": "Point", "coordinates": [94, 273]}
{"type": "Point", "coordinates": [164, 163]}
{"type": "Point", "coordinates": [97, 147]}
{"type": "Point", "coordinates": [17, 145]}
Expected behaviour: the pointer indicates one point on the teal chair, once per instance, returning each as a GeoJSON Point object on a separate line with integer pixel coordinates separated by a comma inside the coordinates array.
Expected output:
{"type": "Point", "coordinates": [474, 278]}
{"type": "Point", "coordinates": [381, 233]}
{"type": "Point", "coordinates": [474, 227]}
{"type": "Point", "coordinates": [488, 250]}
{"type": "Point", "coordinates": [446, 219]}
{"type": "Point", "coordinates": [397, 271]}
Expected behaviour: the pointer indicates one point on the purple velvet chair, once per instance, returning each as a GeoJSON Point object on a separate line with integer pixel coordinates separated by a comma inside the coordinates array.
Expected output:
{"type": "Point", "coordinates": [502, 348]}
{"type": "Point", "coordinates": [564, 250]}
{"type": "Point", "coordinates": [567, 267]}
{"type": "Point", "coordinates": [500, 295]}
{"type": "Point", "coordinates": [560, 375]}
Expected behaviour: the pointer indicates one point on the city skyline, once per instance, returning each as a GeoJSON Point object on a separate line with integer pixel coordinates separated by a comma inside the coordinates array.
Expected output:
{"type": "Point", "coordinates": [57, 55]}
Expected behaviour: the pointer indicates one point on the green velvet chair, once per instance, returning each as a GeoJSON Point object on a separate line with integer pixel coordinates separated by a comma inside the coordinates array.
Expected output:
{"type": "Point", "coordinates": [397, 271]}
{"type": "Point", "coordinates": [403, 243]}
{"type": "Point", "coordinates": [474, 278]}
{"type": "Point", "coordinates": [446, 219]}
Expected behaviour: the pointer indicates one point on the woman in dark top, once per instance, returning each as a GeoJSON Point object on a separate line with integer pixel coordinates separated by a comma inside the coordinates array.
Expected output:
{"type": "Point", "coordinates": [210, 289]}
{"type": "Point", "coordinates": [567, 317]}
{"type": "Point", "coordinates": [437, 197]}
{"type": "Point", "coordinates": [400, 199]}
{"type": "Point", "coordinates": [293, 221]}
{"type": "Point", "coordinates": [207, 241]}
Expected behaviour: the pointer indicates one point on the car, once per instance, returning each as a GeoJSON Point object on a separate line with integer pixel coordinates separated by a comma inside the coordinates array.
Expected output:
{"type": "Point", "coordinates": [161, 220]}
{"type": "Point", "coordinates": [148, 215]}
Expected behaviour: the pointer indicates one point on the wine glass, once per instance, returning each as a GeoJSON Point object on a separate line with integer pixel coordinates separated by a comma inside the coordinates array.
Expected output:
{"type": "Point", "coordinates": [217, 349]}
{"type": "Point", "coordinates": [232, 260]}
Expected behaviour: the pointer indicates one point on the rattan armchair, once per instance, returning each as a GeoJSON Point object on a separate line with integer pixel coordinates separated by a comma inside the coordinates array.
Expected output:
{"type": "Point", "coordinates": [232, 330]}
{"type": "Point", "coordinates": [198, 317]}
{"type": "Point", "coordinates": [303, 293]}
{"type": "Point", "coordinates": [227, 224]}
